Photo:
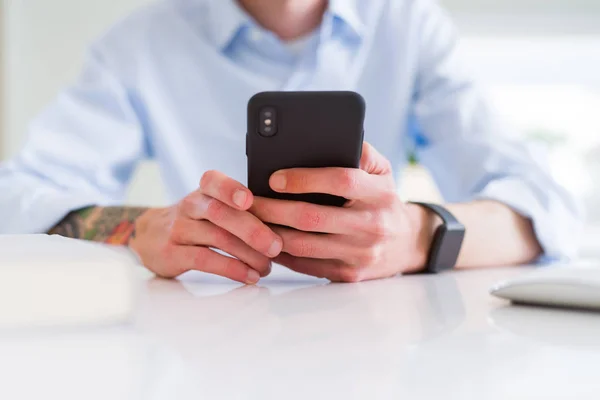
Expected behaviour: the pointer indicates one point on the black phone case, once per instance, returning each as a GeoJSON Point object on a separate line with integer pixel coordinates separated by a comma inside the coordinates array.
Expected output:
{"type": "Point", "coordinates": [314, 130]}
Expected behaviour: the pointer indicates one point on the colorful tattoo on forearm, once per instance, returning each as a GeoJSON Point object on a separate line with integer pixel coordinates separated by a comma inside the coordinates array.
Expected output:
{"type": "Point", "coordinates": [112, 225]}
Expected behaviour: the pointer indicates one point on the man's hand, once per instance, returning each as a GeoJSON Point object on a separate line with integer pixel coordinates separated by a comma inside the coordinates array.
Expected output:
{"type": "Point", "coordinates": [375, 236]}
{"type": "Point", "coordinates": [178, 239]}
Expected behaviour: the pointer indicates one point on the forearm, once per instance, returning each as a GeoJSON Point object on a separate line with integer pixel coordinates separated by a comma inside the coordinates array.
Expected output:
{"type": "Point", "coordinates": [495, 235]}
{"type": "Point", "coordinates": [112, 225]}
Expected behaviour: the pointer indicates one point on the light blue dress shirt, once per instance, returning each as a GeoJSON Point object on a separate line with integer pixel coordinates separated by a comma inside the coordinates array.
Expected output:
{"type": "Point", "coordinates": [172, 81]}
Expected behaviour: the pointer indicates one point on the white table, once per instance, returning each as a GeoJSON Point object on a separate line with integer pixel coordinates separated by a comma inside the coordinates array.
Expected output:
{"type": "Point", "coordinates": [294, 337]}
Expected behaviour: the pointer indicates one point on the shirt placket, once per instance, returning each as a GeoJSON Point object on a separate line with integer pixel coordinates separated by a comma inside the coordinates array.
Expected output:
{"type": "Point", "coordinates": [326, 68]}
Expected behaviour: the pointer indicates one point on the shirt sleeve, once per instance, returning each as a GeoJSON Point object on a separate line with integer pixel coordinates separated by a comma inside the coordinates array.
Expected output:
{"type": "Point", "coordinates": [81, 151]}
{"type": "Point", "coordinates": [471, 154]}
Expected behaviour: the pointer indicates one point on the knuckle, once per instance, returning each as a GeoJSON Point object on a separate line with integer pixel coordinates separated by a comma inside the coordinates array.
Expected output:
{"type": "Point", "coordinates": [258, 237]}
{"type": "Point", "coordinates": [347, 180]}
{"type": "Point", "coordinates": [388, 197]}
{"type": "Point", "coordinates": [303, 248]}
{"type": "Point", "coordinates": [368, 256]}
{"type": "Point", "coordinates": [189, 206]}
{"type": "Point", "coordinates": [379, 225]}
{"type": "Point", "coordinates": [230, 266]}
{"type": "Point", "coordinates": [207, 179]}
{"type": "Point", "coordinates": [215, 210]}
{"type": "Point", "coordinates": [222, 239]}
{"type": "Point", "coordinates": [177, 231]}
{"type": "Point", "coordinates": [199, 257]}
{"type": "Point", "coordinates": [351, 275]}
{"type": "Point", "coordinates": [310, 219]}
{"type": "Point", "coordinates": [215, 184]}
{"type": "Point", "coordinates": [386, 164]}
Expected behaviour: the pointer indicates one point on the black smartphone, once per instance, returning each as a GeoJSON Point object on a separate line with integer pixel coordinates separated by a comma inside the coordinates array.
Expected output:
{"type": "Point", "coordinates": [302, 130]}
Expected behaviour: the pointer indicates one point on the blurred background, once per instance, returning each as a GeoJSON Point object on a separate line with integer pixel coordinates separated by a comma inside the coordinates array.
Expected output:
{"type": "Point", "coordinates": [540, 60]}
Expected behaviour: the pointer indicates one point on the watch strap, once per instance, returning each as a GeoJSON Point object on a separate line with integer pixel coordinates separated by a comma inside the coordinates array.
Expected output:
{"type": "Point", "coordinates": [449, 220]}
{"type": "Point", "coordinates": [447, 240]}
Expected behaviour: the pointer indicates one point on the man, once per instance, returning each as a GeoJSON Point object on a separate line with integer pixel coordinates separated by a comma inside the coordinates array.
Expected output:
{"type": "Point", "coordinates": [171, 83]}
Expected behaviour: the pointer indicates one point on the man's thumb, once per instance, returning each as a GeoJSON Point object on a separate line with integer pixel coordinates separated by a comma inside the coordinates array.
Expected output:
{"type": "Point", "coordinates": [373, 162]}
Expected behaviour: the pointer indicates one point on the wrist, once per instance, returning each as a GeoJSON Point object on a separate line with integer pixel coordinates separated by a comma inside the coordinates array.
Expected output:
{"type": "Point", "coordinates": [425, 223]}
{"type": "Point", "coordinates": [139, 222]}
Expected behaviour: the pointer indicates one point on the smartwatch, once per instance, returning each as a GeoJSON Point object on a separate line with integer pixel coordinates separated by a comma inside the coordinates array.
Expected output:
{"type": "Point", "coordinates": [447, 240]}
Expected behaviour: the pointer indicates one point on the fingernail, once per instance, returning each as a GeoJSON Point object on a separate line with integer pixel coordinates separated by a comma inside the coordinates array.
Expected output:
{"type": "Point", "coordinates": [253, 277]}
{"type": "Point", "coordinates": [278, 181]}
{"type": "Point", "coordinates": [275, 248]}
{"type": "Point", "coordinates": [239, 198]}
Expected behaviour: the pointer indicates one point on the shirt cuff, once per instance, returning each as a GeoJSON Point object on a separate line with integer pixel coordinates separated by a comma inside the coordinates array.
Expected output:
{"type": "Point", "coordinates": [556, 227]}
{"type": "Point", "coordinates": [42, 212]}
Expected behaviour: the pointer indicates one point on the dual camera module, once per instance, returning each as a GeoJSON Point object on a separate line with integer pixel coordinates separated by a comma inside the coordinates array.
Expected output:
{"type": "Point", "coordinates": [267, 122]}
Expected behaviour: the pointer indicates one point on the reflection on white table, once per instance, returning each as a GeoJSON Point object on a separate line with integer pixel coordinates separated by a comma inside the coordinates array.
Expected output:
{"type": "Point", "coordinates": [295, 337]}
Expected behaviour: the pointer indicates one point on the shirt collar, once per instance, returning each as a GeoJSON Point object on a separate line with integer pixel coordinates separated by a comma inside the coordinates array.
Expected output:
{"type": "Point", "coordinates": [347, 11]}
{"type": "Point", "coordinates": [227, 19]}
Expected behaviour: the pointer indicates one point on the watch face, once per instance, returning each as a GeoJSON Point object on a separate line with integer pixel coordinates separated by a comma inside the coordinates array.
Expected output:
{"type": "Point", "coordinates": [447, 245]}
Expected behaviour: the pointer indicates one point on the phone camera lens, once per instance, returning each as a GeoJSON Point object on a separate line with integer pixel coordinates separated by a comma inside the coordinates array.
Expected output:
{"type": "Point", "coordinates": [268, 122]}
